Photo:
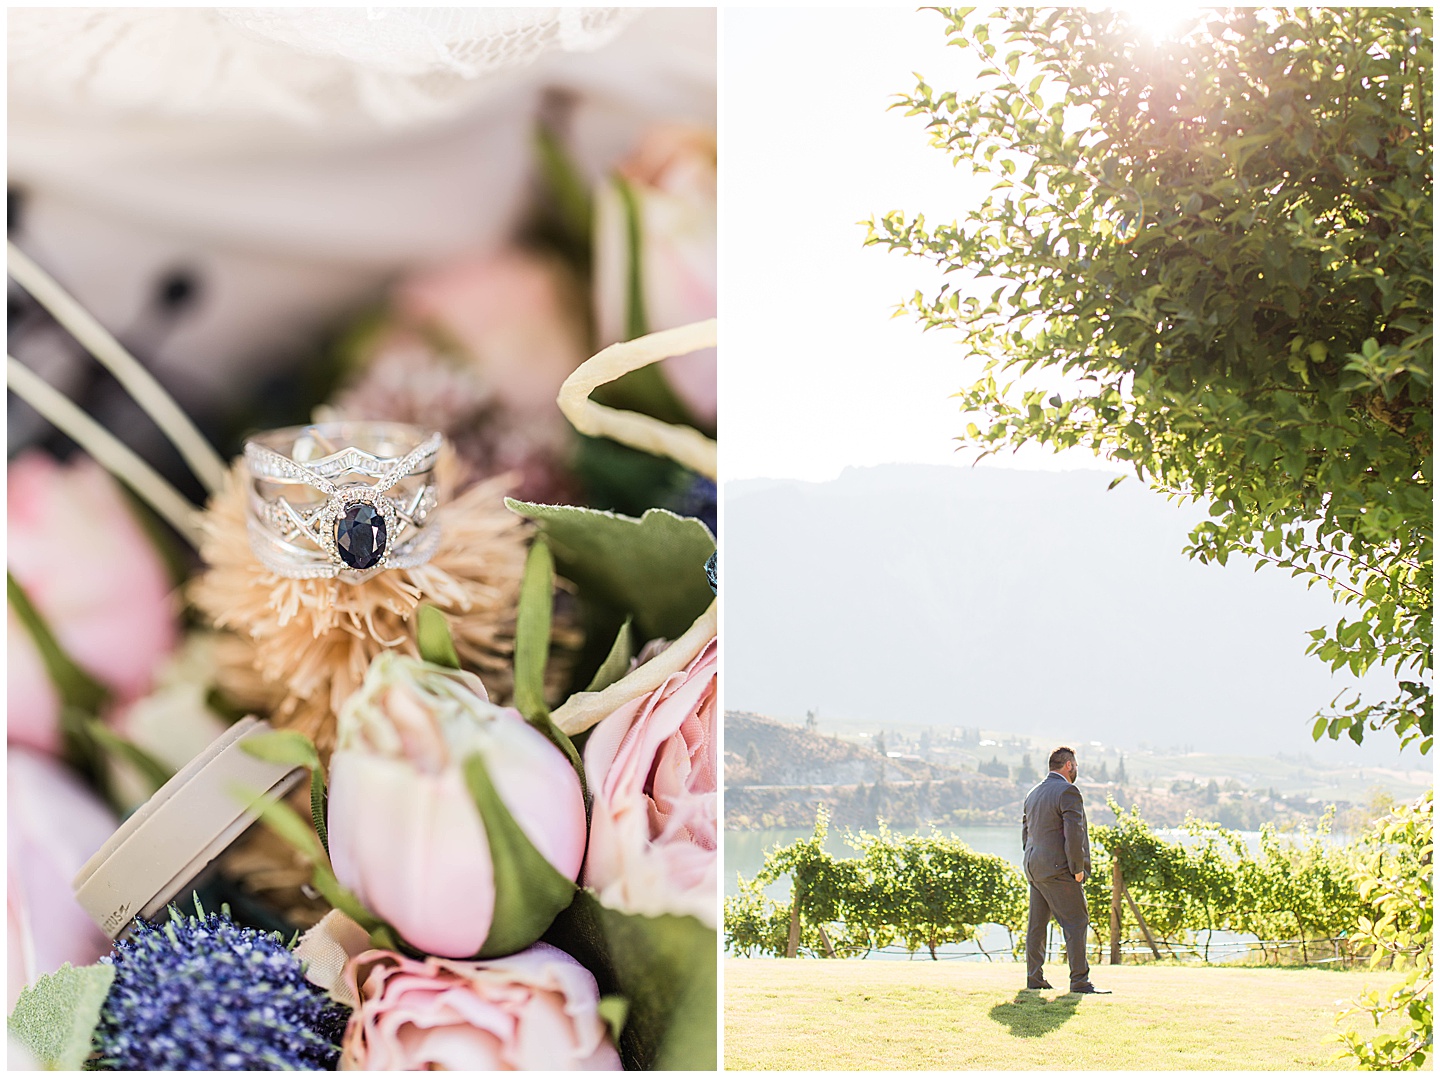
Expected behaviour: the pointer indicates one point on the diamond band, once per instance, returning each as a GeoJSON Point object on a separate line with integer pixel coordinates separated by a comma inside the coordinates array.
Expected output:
{"type": "Point", "coordinates": [312, 516]}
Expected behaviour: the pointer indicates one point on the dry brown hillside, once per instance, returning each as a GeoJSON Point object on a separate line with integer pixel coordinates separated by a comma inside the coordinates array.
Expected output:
{"type": "Point", "coordinates": [788, 755]}
{"type": "Point", "coordinates": [777, 775]}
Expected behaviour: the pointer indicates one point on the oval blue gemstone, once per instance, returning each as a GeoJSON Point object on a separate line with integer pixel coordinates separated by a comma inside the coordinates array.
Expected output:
{"type": "Point", "coordinates": [360, 536]}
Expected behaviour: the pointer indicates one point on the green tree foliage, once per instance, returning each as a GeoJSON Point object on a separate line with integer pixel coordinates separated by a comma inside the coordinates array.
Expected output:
{"type": "Point", "coordinates": [1026, 773]}
{"type": "Point", "coordinates": [754, 924]}
{"type": "Point", "coordinates": [995, 769]}
{"type": "Point", "coordinates": [1220, 245]}
{"type": "Point", "coordinates": [1397, 879]}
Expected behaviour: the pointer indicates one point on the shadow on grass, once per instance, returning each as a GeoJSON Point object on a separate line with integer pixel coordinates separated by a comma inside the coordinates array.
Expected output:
{"type": "Point", "coordinates": [1030, 1014]}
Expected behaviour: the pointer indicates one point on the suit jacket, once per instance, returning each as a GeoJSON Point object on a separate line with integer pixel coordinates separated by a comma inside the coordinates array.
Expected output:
{"type": "Point", "coordinates": [1053, 831]}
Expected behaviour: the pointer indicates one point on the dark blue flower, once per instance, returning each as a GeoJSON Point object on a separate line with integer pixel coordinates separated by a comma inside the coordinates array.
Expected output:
{"type": "Point", "coordinates": [699, 500]}
{"type": "Point", "coordinates": [203, 993]}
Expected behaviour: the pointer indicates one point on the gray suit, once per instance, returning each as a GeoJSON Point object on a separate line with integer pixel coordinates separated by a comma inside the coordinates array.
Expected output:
{"type": "Point", "coordinates": [1056, 839]}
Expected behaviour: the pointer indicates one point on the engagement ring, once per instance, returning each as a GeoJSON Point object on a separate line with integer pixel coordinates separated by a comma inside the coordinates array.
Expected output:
{"type": "Point", "coordinates": [312, 512]}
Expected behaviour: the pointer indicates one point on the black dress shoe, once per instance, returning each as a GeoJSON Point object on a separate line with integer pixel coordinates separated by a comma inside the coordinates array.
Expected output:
{"type": "Point", "coordinates": [1037, 987]}
{"type": "Point", "coordinates": [1088, 989]}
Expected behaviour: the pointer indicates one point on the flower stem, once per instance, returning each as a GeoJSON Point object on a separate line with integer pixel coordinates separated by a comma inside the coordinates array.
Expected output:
{"type": "Point", "coordinates": [207, 465]}
{"type": "Point", "coordinates": [116, 457]}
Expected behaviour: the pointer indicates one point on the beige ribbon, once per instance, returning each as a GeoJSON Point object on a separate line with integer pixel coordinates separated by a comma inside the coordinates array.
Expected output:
{"type": "Point", "coordinates": [326, 949]}
{"type": "Point", "coordinates": [684, 445]}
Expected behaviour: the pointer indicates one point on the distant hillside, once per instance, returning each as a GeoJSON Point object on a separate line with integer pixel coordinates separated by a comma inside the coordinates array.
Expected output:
{"type": "Point", "coordinates": [786, 755]}
{"type": "Point", "coordinates": [778, 774]}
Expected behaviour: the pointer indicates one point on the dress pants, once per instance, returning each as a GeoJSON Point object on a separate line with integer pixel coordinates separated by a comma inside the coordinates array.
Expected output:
{"type": "Point", "coordinates": [1064, 899]}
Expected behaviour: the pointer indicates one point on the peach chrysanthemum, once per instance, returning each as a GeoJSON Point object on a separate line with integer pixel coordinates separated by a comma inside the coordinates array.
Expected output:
{"type": "Point", "coordinates": [311, 641]}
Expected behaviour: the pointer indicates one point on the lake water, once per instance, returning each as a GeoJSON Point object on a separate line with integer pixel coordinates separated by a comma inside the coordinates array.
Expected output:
{"type": "Point", "coordinates": [745, 854]}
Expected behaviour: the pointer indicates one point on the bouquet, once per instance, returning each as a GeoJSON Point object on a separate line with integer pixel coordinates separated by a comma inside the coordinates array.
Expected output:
{"type": "Point", "coordinates": [464, 679]}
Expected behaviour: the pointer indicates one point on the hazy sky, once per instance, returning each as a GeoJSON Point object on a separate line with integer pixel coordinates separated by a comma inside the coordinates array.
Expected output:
{"type": "Point", "coordinates": [817, 375]}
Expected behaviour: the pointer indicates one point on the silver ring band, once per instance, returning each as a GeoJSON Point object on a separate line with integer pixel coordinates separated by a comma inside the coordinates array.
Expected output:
{"type": "Point", "coordinates": [342, 500]}
{"type": "Point", "coordinates": [158, 853]}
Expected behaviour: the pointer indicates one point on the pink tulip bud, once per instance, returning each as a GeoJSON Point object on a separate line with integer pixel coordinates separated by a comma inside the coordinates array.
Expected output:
{"type": "Point", "coordinates": [405, 833]}
{"type": "Point", "coordinates": [116, 624]}
{"type": "Point", "coordinates": [53, 824]}
{"type": "Point", "coordinates": [672, 188]}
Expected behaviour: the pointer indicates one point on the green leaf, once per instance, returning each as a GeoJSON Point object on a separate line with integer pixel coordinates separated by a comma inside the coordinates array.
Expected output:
{"type": "Point", "coordinates": [613, 1011]}
{"type": "Point", "coordinates": [318, 807]}
{"type": "Point", "coordinates": [635, 320]}
{"type": "Point", "coordinates": [432, 637]}
{"type": "Point", "coordinates": [652, 568]}
{"type": "Point", "coordinates": [55, 1018]}
{"type": "Point", "coordinates": [664, 967]}
{"type": "Point", "coordinates": [286, 823]}
{"type": "Point", "coordinates": [617, 662]}
{"type": "Point", "coordinates": [294, 748]}
{"type": "Point", "coordinates": [76, 687]}
{"type": "Point", "coordinates": [532, 629]}
{"type": "Point", "coordinates": [283, 747]}
{"type": "Point", "coordinates": [529, 893]}
{"type": "Point", "coordinates": [152, 770]}
{"type": "Point", "coordinates": [282, 819]}
{"type": "Point", "coordinates": [532, 647]}
{"type": "Point", "coordinates": [571, 191]}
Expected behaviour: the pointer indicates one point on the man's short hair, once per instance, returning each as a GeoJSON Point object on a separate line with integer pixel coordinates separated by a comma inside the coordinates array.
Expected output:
{"type": "Point", "coordinates": [1061, 756]}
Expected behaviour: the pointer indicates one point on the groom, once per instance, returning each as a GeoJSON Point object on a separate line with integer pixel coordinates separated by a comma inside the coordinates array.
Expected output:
{"type": "Point", "coordinates": [1056, 839]}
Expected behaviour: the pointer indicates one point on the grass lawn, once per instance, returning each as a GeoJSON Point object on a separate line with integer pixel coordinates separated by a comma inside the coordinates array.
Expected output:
{"type": "Point", "coordinates": [867, 1015]}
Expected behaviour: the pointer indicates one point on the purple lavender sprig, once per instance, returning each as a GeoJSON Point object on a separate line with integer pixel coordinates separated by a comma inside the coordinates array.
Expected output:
{"type": "Point", "coordinates": [203, 993]}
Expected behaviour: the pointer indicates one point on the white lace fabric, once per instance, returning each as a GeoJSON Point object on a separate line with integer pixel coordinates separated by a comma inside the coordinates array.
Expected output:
{"type": "Point", "coordinates": [331, 69]}
{"type": "Point", "coordinates": [297, 159]}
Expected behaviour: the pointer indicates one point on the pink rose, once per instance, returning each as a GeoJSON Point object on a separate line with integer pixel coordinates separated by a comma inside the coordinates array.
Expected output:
{"type": "Point", "coordinates": [672, 180]}
{"type": "Point", "coordinates": [405, 833]}
{"type": "Point", "coordinates": [93, 576]}
{"type": "Point", "coordinates": [652, 766]}
{"type": "Point", "coordinates": [536, 1010]}
{"type": "Point", "coordinates": [54, 825]}
{"type": "Point", "coordinates": [514, 314]}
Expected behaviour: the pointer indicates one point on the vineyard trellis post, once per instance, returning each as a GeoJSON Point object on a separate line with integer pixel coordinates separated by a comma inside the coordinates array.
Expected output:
{"type": "Point", "coordinates": [825, 942]}
{"type": "Point", "coordinates": [1140, 920]}
{"type": "Point", "coordinates": [792, 944]}
{"type": "Point", "coordinates": [1117, 884]}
